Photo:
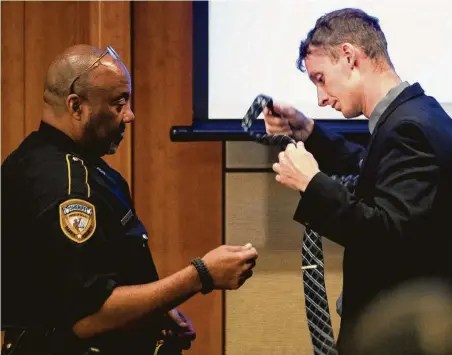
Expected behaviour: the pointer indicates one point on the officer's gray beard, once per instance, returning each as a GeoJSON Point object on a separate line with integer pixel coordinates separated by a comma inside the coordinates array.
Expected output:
{"type": "Point", "coordinates": [106, 146]}
{"type": "Point", "coordinates": [113, 148]}
{"type": "Point", "coordinates": [97, 147]}
{"type": "Point", "coordinates": [115, 144]}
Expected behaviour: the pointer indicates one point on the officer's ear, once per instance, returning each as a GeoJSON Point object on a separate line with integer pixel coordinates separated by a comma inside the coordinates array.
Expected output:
{"type": "Point", "coordinates": [73, 105]}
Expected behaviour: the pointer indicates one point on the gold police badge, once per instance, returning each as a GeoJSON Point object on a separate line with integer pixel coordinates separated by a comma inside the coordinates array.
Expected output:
{"type": "Point", "coordinates": [77, 219]}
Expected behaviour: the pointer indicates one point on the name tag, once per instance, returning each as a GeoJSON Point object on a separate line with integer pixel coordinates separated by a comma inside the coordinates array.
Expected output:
{"type": "Point", "coordinates": [126, 218]}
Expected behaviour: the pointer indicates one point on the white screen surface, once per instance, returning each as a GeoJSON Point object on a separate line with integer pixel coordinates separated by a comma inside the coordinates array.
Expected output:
{"type": "Point", "coordinates": [253, 48]}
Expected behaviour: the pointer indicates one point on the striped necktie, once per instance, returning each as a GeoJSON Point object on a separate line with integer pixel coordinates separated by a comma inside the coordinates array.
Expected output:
{"type": "Point", "coordinates": [316, 300]}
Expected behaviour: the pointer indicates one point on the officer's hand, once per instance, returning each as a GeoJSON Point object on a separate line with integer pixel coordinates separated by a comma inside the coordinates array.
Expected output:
{"type": "Point", "coordinates": [301, 125]}
{"type": "Point", "coordinates": [230, 266]}
{"type": "Point", "coordinates": [178, 331]}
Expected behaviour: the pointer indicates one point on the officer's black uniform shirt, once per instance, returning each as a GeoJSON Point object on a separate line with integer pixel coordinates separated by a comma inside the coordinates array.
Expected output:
{"type": "Point", "coordinates": [70, 235]}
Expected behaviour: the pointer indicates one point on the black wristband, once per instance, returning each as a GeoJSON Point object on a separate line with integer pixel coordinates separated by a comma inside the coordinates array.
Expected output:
{"type": "Point", "coordinates": [204, 275]}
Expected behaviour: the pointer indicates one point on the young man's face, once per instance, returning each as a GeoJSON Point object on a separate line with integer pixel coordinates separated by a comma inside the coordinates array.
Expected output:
{"type": "Point", "coordinates": [337, 82]}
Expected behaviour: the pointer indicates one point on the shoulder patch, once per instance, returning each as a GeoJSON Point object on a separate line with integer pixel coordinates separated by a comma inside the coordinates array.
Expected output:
{"type": "Point", "coordinates": [77, 219]}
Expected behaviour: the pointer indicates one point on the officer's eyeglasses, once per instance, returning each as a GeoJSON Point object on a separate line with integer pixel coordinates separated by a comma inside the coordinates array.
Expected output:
{"type": "Point", "coordinates": [110, 51]}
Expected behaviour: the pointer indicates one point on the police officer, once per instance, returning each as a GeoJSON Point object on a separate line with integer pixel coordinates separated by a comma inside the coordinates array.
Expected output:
{"type": "Point", "coordinates": [78, 275]}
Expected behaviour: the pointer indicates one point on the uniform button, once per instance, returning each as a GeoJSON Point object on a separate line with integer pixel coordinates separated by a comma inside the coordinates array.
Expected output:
{"type": "Point", "coordinates": [145, 240]}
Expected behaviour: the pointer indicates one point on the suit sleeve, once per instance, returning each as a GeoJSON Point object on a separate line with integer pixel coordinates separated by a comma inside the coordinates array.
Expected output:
{"type": "Point", "coordinates": [405, 189]}
{"type": "Point", "coordinates": [334, 154]}
{"type": "Point", "coordinates": [84, 278]}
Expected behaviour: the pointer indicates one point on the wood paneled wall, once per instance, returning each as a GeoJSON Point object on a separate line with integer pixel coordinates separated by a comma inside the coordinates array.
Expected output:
{"type": "Point", "coordinates": [177, 187]}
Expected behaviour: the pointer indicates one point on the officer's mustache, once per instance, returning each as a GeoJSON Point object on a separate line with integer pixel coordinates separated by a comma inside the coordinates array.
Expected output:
{"type": "Point", "coordinates": [121, 130]}
{"type": "Point", "coordinates": [122, 127]}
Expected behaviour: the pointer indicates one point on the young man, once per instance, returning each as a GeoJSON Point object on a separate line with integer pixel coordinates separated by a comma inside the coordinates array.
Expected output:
{"type": "Point", "coordinates": [396, 227]}
{"type": "Point", "coordinates": [78, 275]}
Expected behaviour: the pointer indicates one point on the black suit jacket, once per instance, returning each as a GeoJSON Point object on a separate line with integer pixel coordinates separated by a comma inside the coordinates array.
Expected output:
{"type": "Point", "coordinates": [397, 226]}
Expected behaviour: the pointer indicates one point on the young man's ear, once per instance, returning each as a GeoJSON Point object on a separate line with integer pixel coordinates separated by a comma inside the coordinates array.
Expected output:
{"type": "Point", "coordinates": [349, 51]}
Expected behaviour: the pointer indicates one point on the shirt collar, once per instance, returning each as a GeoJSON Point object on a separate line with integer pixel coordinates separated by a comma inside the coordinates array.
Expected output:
{"type": "Point", "coordinates": [60, 139]}
{"type": "Point", "coordinates": [384, 104]}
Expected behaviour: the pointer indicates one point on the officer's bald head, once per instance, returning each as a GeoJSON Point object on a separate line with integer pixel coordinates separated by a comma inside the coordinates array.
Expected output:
{"type": "Point", "coordinates": [87, 96]}
{"type": "Point", "coordinates": [64, 69]}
